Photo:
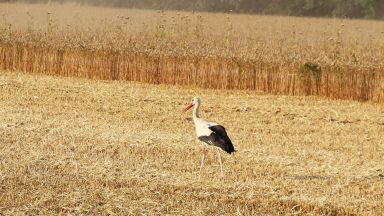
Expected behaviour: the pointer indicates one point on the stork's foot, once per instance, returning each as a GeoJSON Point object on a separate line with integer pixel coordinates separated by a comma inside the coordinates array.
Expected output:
{"type": "Point", "coordinates": [221, 175]}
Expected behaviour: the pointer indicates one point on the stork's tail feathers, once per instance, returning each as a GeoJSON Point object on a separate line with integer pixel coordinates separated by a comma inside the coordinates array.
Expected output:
{"type": "Point", "coordinates": [228, 147]}
{"type": "Point", "coordinates": [230, 151]}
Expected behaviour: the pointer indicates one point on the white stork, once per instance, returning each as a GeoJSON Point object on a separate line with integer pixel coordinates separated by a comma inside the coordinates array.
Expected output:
{"type": "Point", "coordinates": [210, 133]}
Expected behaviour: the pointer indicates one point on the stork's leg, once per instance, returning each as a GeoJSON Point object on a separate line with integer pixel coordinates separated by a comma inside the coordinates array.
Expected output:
{"type": "Point", "coordinates": [204, 150]}
{"type": "Point", "coordinates": [221, 165]}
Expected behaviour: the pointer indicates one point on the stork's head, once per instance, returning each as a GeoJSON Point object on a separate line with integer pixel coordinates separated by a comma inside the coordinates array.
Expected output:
{"type": "Point", "coordinates": [195, 102]}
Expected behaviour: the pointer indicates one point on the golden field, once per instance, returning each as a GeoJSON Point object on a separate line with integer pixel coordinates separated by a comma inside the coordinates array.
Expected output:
{"type": "Point", "coordinates": [77, 146]}
{"type": "Point", "coordinates": [279, 55]}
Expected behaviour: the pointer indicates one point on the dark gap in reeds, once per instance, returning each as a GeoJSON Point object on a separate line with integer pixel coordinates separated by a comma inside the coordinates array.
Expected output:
{"type": "Point", "coordinates": [214, 72]}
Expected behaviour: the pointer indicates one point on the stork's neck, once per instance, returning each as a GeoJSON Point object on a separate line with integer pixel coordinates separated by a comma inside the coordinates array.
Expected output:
{"type": "Point", "coordinates": [196, 111]}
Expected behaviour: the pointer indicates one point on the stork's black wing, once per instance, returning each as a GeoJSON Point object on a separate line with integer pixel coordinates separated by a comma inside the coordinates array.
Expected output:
{"type": "Point", "coordinates": [219, 138]}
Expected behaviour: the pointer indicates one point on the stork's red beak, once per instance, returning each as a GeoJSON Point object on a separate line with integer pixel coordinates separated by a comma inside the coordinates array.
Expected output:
{"type": "Point", "coordinates": [188, 107]}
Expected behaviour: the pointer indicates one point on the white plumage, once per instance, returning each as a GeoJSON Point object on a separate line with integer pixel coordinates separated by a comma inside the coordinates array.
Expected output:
{"type": "Point", "coordinates": [202, 127]}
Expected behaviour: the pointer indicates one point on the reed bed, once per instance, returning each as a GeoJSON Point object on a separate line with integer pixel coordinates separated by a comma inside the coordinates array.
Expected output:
{"type": "Point", "coordinates": [279, 55]}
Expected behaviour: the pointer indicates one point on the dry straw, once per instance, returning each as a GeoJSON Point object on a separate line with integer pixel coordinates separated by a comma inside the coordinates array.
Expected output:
{"type": "Point", "coordinates": [75, 146]}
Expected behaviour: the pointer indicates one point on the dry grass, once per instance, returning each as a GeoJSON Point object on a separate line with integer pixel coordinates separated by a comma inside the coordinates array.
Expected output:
{"type": "Point", "coordinates": [208, 50]}
{"type": "Point", "coordinates": [74, 146]}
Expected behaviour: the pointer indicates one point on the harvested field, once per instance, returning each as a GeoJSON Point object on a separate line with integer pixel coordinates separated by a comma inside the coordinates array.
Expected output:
{"type": "Point", "coordinates": [278, 55]}
{"type": "Point", "coordinates": [76, 146]}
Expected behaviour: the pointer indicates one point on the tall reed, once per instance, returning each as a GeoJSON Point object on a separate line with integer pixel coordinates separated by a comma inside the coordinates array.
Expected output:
{"type": "Point", "coordinates": [182, 49]}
